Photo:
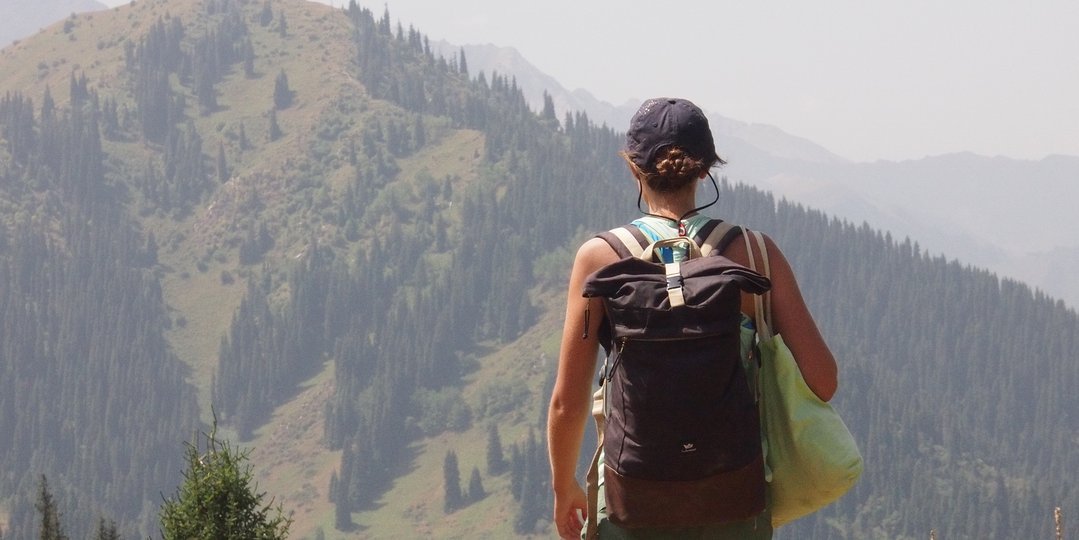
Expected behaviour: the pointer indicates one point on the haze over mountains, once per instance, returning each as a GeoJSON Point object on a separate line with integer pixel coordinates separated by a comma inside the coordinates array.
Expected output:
{"type": "Point", "coordinates": [1014, 217]}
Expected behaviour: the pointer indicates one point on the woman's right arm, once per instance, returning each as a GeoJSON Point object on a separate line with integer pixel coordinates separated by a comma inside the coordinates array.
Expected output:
{"type": "Point", "coordinates": [572, 395]}
{"type": "Point", "coordinates": [792, 319]}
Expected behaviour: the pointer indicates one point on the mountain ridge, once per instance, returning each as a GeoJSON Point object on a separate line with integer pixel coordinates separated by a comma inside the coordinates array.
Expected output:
{"type": "Point", "coordinates": [798, 169]}
{"type": "Point", "coordinates": [23, 18]}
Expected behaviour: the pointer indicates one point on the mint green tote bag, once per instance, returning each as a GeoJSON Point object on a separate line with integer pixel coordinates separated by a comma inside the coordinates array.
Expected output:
{"type": "Point", "coordinates": [811, 457]}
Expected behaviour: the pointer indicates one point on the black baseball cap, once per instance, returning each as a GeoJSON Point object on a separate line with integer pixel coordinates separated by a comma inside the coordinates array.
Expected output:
{"type": "Point", "coordinates": [662, 122]}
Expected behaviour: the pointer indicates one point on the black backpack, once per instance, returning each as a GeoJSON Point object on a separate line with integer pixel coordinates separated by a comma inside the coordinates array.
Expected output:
{"type": "Point", "coordinates": [678, 416]}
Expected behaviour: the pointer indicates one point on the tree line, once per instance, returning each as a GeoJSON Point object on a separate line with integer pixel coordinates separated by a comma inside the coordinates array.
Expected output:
{"type": "Point", "coordinates": [90, 391]}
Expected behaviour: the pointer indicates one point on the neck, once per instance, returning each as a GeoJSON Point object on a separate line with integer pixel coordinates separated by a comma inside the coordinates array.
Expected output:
{"type": "Point", "coordinates": [671, 205]}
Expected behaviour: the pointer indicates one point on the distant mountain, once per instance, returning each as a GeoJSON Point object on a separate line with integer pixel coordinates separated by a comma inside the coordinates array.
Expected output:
{"type": "Point", "coordinates": [24, 18]}
{"type": "Point", "coordinates": [729, 132]}
{"type": "Point", "coordinates": [1013, 217]}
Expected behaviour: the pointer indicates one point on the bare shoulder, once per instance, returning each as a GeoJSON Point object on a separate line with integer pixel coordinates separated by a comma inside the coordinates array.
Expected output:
{"type": "Point", "coordinates": [778, 266]}
{"type": "Point", "coordinates": [774, 254]}
{"type": "Point", "coordinates": [594, 254]}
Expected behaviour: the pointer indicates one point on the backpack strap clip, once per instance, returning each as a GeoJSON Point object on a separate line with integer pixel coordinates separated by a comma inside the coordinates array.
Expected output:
{"type": "Point", "coordinates": [674, 284]}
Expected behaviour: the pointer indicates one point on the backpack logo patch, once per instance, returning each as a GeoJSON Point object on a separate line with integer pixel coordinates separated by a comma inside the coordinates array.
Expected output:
{"type": "Point", "coordinates": [689, 448]}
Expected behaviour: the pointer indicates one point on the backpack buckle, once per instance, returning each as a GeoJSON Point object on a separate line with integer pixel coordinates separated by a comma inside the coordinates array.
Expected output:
{"type": "Point", "coordinates": [674, 284]}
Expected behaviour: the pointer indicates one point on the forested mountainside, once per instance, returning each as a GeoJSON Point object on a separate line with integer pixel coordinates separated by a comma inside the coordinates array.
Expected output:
{"type": "Point", "coordinates": [354, 250]}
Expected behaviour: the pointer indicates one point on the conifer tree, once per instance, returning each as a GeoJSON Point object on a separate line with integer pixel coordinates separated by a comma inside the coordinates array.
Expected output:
{"type": "Point", "coordinates": [282, 95]}
{"type": "Point", "coordinates": [452, 480]}
{"type": "Point", "coordinates": [419, 132]}
{"type": "Point", "coordinates": [106, 530]}
{"type": "Point", "coordinates": [475, 486]}
{"type": "Point", "coordinates": [248, 52]}
{"type": "Point", "coordinates": [217, 498]}
{"type": "Point", "coordinates": [496, 461]}
{"type": "Point", "coordinates": [282, 26]}
{"type": "Point", "coordinates": [275, 129]}
{"type": "Point", "coordinates": [222, 164]}
{"type": "Point", "coordinates": [50, 516]}
{"type": "Point", "coordinates": [548, 115]}
{"type": "Point", "coordinates": [342, 516]}
{"type": "Point", "coordinates": [206, 94]}
{"type": "Point", "coordinates": [266, 15]}
{"type": "Point", "coordinates": [48, 106]}
{"type": "Point", "coordinates": [517, 471]}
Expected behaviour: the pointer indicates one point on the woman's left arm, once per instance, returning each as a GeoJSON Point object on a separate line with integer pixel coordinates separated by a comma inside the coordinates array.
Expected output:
{"type": "Point", "coordinates": [571, 398]}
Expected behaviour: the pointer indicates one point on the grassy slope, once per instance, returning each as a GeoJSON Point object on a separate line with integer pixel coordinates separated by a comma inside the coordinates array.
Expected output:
{"type": "Point", "coordinates": [413, 507]}
{"type": "Point", "coordinates": [289, 461]}
{"type": "Point", "coordinates": [208, 304]}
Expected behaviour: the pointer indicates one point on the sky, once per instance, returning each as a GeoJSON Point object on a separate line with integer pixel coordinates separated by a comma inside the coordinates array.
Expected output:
{"type": "Point", "coordinates": [866, 80]}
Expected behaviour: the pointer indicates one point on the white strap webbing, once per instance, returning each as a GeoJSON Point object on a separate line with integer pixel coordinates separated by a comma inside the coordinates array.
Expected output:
{"type": "Point", "coordinates": [629, 241]}
{"type": "Point", "coordinates": [674, 284]}
{"type": "Point", "coordinates": [715, 236]}
{"type": "Point", "coordinates": [762, 303]}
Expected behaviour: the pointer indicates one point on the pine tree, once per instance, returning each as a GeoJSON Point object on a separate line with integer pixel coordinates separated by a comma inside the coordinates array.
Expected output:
{"type": "Point", "coordinates": [275, 129]}
{"type": "Point", "coordinates": [342, 518]}
{"type": "Point", "coordinates": [50, 516]}
{"type": "Point", "coordinates": [548, 115]}
{"type": "Point", "coordinates": [517, 471]}
{"type": "Point", "coordinates": [150, 251]}
{"type": "Point", "coordinates": [282, 95]}
{"type": "Point", "coordinates": [222, 164]}
{"type": "Point", "coordinates": [248, 52]}
{"type": "Point", "coordinates": [419, 132]}
{"type": "Point", "coordinates": [282, 26]}
{"type": "Point", "coordinates": [475, 486]}
{"type": "Point", "coordinates": [48, 107]}
{"type": "Point", "coordinates": [496, 461]}
{"type": "Point", "coordinates": [266, 15]}
{"type": "Point", "coordinates": [217, 498]}
{"type": "Point", "coordinates": [206, 94]}
{"type": "Point", "coordinates": [452, 480]}
{"type": "Point", "coordinates": [106, 530]}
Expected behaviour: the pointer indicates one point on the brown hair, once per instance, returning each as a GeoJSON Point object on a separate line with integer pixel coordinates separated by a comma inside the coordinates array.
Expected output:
{"type": "Point", "coordinates": [671, 170]}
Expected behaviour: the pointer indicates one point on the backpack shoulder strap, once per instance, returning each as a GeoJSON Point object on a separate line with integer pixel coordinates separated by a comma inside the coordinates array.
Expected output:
{"type": "Point", "coordinates": [627, 241]}
{"type": "Point", "coordinates": [717, 236]}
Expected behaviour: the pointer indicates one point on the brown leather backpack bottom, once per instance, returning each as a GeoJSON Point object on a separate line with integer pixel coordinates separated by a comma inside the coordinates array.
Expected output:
{"type": "Point", "coordinates": [723, 498]}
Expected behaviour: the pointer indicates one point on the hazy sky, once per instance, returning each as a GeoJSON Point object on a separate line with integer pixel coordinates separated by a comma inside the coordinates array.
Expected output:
{"type": "Point", "coordinates": [867, 80]}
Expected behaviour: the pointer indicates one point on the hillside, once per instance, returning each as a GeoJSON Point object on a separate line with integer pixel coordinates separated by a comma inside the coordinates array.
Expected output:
{"type": "Point", "coordinates": [353, 249]}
